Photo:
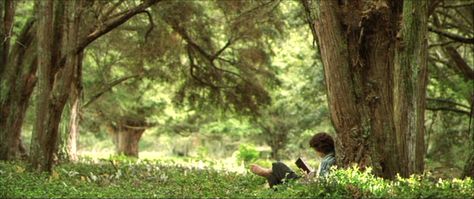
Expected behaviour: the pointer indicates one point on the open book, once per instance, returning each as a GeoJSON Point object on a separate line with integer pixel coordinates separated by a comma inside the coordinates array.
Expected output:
{"type": "Point", "coordinates": [300, 163]}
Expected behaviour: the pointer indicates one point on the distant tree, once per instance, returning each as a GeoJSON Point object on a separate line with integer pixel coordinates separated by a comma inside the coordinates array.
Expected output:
{"type": "Point", "coordinates": [124, 106]}
{"type": "Point", "coordinates": [220, 66]}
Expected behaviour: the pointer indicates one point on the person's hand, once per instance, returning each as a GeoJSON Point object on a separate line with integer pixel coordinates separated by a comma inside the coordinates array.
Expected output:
{"type": "Point", "coordinates": [308, 176]}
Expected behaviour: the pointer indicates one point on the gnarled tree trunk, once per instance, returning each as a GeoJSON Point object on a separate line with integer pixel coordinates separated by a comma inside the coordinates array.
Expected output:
{"type": "Point", "coordinates": [358, 43]}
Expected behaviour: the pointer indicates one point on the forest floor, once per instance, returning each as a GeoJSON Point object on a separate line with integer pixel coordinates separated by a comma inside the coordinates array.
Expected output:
{"type": "Point", "coordinates": [126, 178]}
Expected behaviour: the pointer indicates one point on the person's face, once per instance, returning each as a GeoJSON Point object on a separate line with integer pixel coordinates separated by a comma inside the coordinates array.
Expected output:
{"type": "Point", "coordinates": [320, 154]}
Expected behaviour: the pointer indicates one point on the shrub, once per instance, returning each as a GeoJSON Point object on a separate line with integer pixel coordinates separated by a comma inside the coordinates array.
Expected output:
{"type": "Point", "coordinates": [121, 178]}
{"type": "Point", "coordinates": [247, 153]}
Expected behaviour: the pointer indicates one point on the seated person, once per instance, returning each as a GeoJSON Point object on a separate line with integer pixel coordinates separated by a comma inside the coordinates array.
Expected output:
{"type": "Point", "coordinates": [322, 143]}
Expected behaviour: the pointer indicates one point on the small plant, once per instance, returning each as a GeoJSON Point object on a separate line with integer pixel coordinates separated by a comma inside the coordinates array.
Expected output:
{"type": "Point", "coordinates": [152, 178]}
{"type": "Point", "coordinates": [247, 153]}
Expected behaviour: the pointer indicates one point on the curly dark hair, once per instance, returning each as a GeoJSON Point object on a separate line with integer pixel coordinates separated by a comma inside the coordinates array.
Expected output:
{"type": "Point", "coordinates": [322, 142]}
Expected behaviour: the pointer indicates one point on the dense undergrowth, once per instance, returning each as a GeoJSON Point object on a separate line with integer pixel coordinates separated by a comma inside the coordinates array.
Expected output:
{"type": "Point", "coordinates": [114, 178]}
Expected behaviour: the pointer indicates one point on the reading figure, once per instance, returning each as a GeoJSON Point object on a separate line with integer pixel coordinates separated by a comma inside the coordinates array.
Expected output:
{"type": "Point", "coordinates": [322, 143]}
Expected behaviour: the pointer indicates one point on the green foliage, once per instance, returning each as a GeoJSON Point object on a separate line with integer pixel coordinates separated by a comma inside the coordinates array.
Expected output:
{"type": "Point", "coordinates": [135, 178]}
{"type": "Point", "coordinates": [247, 153]}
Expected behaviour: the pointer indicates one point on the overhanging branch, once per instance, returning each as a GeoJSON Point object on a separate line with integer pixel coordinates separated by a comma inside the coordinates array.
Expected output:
{"type": "Point", "coordinates": [152, 24]}
{"type": "Point", "coordinates": [450, 109]}
{"type": "Point", "coordinates": [108, 26]}
{"type": "Point", "coordinates": [447, 101]}
{"type": "Point", "coordinates": [108, 88]}
{"type": "Point", "coordinates": [193, 46]}
{"type": "Point", "coordinates": [459, 5]}
{"type": "Point", "coordinates": [461, 65]}
{"type": "Point", "coordinates": [113, 23]}
{"type": "Point", "coordinates": [452, 36]}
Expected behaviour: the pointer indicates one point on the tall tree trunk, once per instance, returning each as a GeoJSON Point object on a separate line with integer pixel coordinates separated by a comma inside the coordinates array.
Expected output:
{"type": "Point", "coordinates": [52, 99]}
{"type": "Point", "coordinates": [18, 81]}
{"type": "Point", "coordinates": [410, 76]}
{"type": "Point", "coordinates": [7, 11]}
{"type": "Point", "coordinates": [40, 158]}
{"type": "Point", "coordinates": [357, 42]}
{"type": "Point", "coordinates": [70, 121]}
{"type": "Point", "coordinates": [7, 14]}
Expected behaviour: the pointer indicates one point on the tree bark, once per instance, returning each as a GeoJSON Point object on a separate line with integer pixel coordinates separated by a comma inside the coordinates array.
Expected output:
{"type": "Point", "coordinates": [410, 86]}
{"type": "Point", "coordinates": [18, 81]}
{"type": "Point", "coordinates": [54, 97]}
{"type": "Point", "coordinates": [75, 111]}
{"type": "Point", "coordinates": [357, 42]}
{"type": "Point", "coordinates": [70, 121]}
{"type": "Point", "coordinates": [40, 157]}
{"type": "Point", "coordinates": [6, 30]}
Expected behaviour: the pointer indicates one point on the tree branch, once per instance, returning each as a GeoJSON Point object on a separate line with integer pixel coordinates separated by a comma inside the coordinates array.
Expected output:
{"type": "Point", "coordinates": [210, 58]}
{"type": "Point", "coordinates": [459, 5]}
{"type": "Point", "coordinates": [108, 26]}
{"type": "Point", "coordinates": [229, 42]}
{"type": "Point", "coordinates": [152, 24]}
{"type": "Point", "coordinates": [452, 36]}
{"type": "Point", "coordinates": [447, 101]}
{"type": "Point", "coordinates": [108, 88]}
{"type": "Point", "coordinates": [194, 76]}
{"type": "Point", "coordinates": [461, 65]}
{"type": "Point", "coordinates": [441, 44]}
{"type": "Point", "coordinates": [448, 109]}
{"type": "Point", "coordinates": [113, 23]}
{"type": "Point", "coordinates": [144, 127]}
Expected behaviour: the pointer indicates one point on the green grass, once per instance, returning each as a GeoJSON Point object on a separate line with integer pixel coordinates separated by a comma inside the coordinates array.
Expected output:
{"type": "Point", "coordinates": [119, 177]}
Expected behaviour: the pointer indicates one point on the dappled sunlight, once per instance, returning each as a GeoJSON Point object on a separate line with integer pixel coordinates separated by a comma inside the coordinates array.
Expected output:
{"type": "Point", "coordinates": [236, 99]}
